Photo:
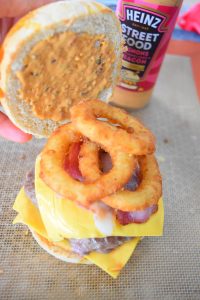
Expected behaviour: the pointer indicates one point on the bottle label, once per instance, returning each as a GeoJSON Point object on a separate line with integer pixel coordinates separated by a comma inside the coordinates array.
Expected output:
{"type": "Point", "coordinates": [146, 28]}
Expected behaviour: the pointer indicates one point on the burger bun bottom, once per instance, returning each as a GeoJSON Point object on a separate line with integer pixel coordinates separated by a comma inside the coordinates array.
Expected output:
{"type": "Point", "coordinates": [57, 251]}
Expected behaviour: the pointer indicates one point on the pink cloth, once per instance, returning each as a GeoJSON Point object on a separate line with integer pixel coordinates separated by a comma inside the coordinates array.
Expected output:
{"type": "Point", "coordinates": [190, 21]}
{"type": "Point", "coordinates": [5, 25]}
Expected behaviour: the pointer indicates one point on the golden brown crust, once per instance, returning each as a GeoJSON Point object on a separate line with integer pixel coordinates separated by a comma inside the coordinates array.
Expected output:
{"type": "Point", "coordinates": [52, 170]}
{"type": "Point", "coordinates": [148, 193]}
{"type": "Point", "coordinates": [132, 137]}
{"type": "Point", "coordinates": [58, 251]}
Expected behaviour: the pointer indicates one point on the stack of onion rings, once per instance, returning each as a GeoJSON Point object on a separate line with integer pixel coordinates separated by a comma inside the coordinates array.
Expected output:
{"type": "Point", "coordinates": [129, 145]}
{"type": "Point", "coordinates": [55, 176]}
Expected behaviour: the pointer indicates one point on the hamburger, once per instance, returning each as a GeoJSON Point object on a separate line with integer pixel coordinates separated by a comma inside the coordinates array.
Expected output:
{"type": "Point", "coordinates": [69, 207]}
{"type": "Point", "coordinates": [97, 234]}
{"type": "Point", "coordinates": [53, 59]}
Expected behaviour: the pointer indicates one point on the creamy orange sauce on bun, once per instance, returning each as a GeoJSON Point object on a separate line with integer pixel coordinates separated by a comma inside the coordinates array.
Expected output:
{"type": "Point", "coordinates": [64, 69]}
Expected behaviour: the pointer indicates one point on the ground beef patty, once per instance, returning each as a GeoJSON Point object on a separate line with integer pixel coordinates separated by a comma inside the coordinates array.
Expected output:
{"type": "Point", "coordinates": [103, 245]}
{"type": "Point", "coordinates": [29, 186]}
{"type": "Point", "coordinates": [79, 246]}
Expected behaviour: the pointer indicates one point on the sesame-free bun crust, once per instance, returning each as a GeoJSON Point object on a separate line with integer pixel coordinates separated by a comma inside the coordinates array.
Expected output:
{"type": "Point", "coordinates": [58, 252]}
{"type": "Point", "coordinates": [75, 15]}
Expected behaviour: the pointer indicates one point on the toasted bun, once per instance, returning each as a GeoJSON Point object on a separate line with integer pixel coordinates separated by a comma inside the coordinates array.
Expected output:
{"type": "Point", "coordinates": [57, 251]}
{"type": "Point", "coordinates": [75, 15]}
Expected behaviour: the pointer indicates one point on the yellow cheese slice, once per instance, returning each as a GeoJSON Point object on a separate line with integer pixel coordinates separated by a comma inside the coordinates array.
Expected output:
{"type": "Point", "coordinates": [111, 263]}
{"type": "Point", "coordinates": [28, 214]}
{"type": "Point", "coordinates": [65, 219]}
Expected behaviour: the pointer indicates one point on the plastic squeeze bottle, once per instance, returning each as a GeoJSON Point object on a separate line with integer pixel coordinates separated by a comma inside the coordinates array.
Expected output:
{"type": "Point", "coordinates": [146, 27]}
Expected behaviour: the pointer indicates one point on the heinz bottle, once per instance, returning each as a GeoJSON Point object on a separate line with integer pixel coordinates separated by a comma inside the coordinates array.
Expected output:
{"type": "Point", "coordinates": [146, 27]}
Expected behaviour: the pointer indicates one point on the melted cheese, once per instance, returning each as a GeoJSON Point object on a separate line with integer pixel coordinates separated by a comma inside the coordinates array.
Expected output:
{"type": "Point", "coordinates": [111, 262]}
{"type": "Point", "coordinates": [65, 219]}
{"type": "Point", "coordinates": [104, 223]}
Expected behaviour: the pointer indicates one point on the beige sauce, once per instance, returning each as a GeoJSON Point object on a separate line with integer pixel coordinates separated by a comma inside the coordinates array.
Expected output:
{"type": "Point", "coordinates": [64, 69]}
{"type": "Point", "coordinates": [130, 98]}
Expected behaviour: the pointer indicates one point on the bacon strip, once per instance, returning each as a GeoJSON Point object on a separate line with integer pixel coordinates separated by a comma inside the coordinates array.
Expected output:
{"type": "Point", "coordinates": [71, 164]}
{"type": "Point", "coordinates": [140, 216]}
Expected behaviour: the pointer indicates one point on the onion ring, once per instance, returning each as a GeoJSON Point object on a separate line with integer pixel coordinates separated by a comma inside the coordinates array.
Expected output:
{"type": "Point", "coordinates": [54, 175]}
{"type": "Point", "coordinates": [132, 137]}
{"type": "Point", "coordinates": [89, 161]}
{"type": "Point", "coordinates": [148, 192]}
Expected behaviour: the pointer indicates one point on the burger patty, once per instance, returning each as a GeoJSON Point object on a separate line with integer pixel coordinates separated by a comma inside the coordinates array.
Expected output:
{"type": "Point", "coordinates": [29, 186]}
{"type": "Point", "coordinates": [102, 245]}
{"type": "Point", "coordinates": [79, 246]}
